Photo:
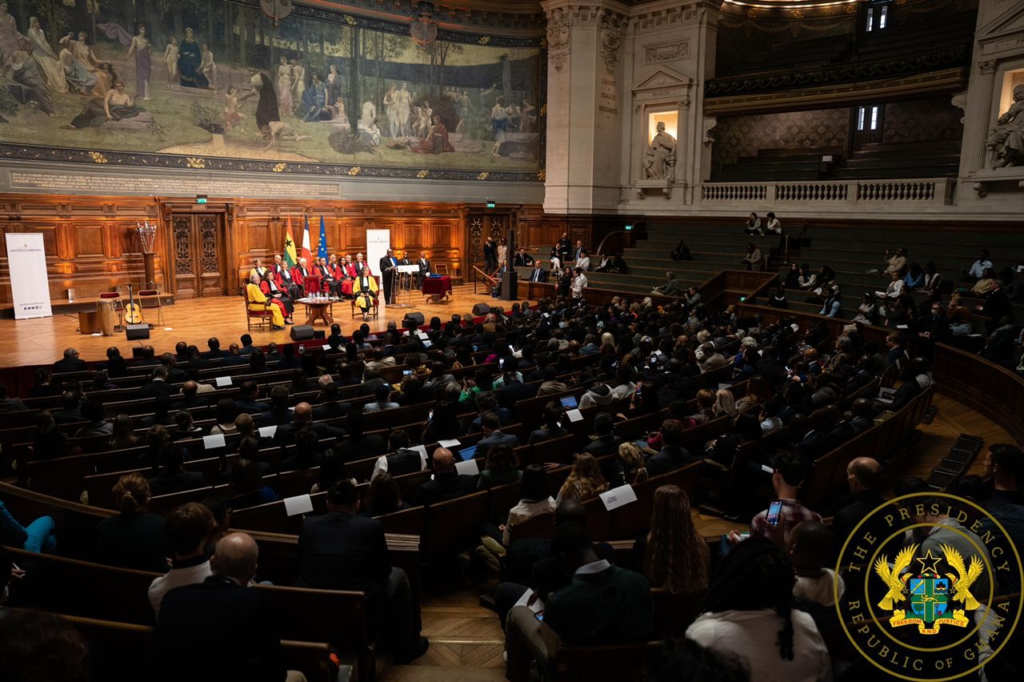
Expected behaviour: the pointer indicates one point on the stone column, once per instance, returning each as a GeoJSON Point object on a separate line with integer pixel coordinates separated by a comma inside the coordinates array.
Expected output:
{"type": "Point", "coordinates": [585, 101]}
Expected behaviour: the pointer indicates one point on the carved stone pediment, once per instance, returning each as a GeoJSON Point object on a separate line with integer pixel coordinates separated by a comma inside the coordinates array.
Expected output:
{"type": "Point", "coordinates": [1004, 35]}
{"type": "Point", "coordinates": [663, 83]}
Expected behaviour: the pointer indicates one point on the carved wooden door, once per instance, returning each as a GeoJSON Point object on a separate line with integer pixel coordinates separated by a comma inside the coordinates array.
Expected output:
{"type": "Point", "coordinates": [198, 241]}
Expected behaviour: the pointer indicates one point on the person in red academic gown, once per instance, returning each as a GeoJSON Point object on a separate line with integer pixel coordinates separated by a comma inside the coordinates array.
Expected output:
{"type": "Point", "coordinates": [278, 297]}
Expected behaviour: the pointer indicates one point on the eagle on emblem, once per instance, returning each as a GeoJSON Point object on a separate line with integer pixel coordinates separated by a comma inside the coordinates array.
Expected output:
{"type": "Point", "coordinates": [967, 576]}
{"type": "Point", "coordinates": [891, 576]}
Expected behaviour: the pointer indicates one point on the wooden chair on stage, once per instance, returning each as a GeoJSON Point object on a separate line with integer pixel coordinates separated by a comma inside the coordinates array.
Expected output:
{"type": "Point", "coordinates": [262, 317]}
{"type": "Point", "coordinates": [441, 269]}
{"type": "Point", "coordinates": [373, 312]}
{"type": "Point", "coordinates": [113, 299]}
{"type": "Point", "coordinates": [153, 295]}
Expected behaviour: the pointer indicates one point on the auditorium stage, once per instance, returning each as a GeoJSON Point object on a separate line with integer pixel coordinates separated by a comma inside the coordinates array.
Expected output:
{"type": "Point", "coordinates": [42, 341]}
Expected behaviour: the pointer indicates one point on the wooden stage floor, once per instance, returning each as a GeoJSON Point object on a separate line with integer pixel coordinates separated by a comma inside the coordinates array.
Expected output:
{"type": "Point", "coordinates": [42, 341]}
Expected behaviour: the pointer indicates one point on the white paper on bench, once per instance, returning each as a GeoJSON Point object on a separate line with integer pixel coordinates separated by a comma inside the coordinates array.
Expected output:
{"type": "Point", "coordinates": [574, 416]}
{"type": "Point", "coordinates": [469, 467]}
{"type": "Point", "coordinates": [537, 606]}
{"type": "Point", "coordinates": [223, 381]}
{"type": "Point", "coordinates": [450, 443]}
{"type": "Point", "coordinates": [214, 441]}
{"type": "Point", "coordinates": [618, 497]}
{"type": "Point", "coordinates": [268, 431]}
{"type": "Point", "coordinates": [422, 335]}
{"type": "Point", "coordinates": [327, 346]}
{"type": "Point", "coordinates": [422, 449]}
{"type": "Point", "coordinates": [300, 504]}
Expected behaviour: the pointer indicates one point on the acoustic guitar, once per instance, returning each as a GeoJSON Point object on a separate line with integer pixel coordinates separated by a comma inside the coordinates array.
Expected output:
{"type": "Point", "coordinates": [132, 311]}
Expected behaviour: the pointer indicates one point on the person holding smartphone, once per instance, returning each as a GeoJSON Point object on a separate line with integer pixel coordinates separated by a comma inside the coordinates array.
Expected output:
{"type": "Point", "coordinates": [785, 512]}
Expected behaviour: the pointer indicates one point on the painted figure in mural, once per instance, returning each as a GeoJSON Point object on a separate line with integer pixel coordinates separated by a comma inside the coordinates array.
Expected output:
{"type": "Point", "coordinates": [98, 68]}
{"type": "Point", "coordinates": [465, 108]}
{"type": "Point", "coordinates": [76, 75]}
{"type": "Point", "coordinates": [116, 105]}
{"type": "Point", "coordinates": [10, 38]}
{"type": "Point", "coordinates": [314, 102]}
{"type": "Point", "coordinates": [232, 116]}
{"type": "Point", "coordinates": [404, 110]}
{"type": "Point", "coordinates": [285, 103]}
{"type": "Point", "coordinates": [208, 67]}
{"type": "Point", "coordinates": [56, 82]}
{"type": "Point", "coordinates": [369, 116]}
{"type": "Point", "coordinates": [29, 82]}
{"type": "Point", "coordinates": [369, 133]}
{"type": "Point", "coordinates": [266, 107]}
{"type": "Point", "coordinates": [171, 59]}
{"type": "Point", "coordinates": [421, 128]}
{"type": "Point", "coordinates": [190, 58]}
{"type": "Point", "coordinates": [391, 111]}
{"type": "Point", "coordinates": [333, 84]}
{"type": "Point", "coordinates": [528, 117]}
{"type": "Point", "coordinates": [1007, 139]}
{"type": "Point", "coordinates": [499, 125]}
{"type": "Point", "coordinates": [298, 80]}
{"type": "Point", "coordinates": [338, 116]}
{"type": "Point", "coordinates": [142, 49]}
{"type": "Point", "coordinates": [660, 157]}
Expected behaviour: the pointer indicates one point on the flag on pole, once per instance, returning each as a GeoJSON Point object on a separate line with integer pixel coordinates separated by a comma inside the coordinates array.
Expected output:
{"type": "Point", "coordinates": [307, 251]}
{"type": "Point", "coordinates": [321, 247]}
{"type": "Point", "coordinates": [289, 248]}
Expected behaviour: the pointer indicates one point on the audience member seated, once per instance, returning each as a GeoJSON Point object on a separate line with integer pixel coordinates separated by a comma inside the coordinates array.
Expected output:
{"type": "Point", "coordinates": [604, 441]}
{"type": "Point", "coordinates": [9, 404]}
{"type": "Point", "coordinates": [534, 500]}
{"type": "Point", "coordinates": [864, 476]}
{"type": "Point", "coordinates": [673, 555]}
{"type": "Point", "coordinates": [490, 426]}
{"type": "Point", "coordinates": [502, 466]}
{"type": "Point", "coordinates": [1004, 467]}
{"type": "Point", "coordinates": [134, 538]}
{"type": "Point", "coordinates": [672, 455]}
{"type": "Point", "coordinates": [188, 528]}
{"type": "Point", "coordinates": [753, 226]}
{"type": "Point", "coordinates": [36, 537]}
{"type": "Point", "coordinates": [308, 452]}
{"type": "Point", "coordinates": [772, 224]}
{"type": "Point", "coordinates": [447, 484]}
{"type": "Point", "coordinates": [787, 477]}
{"type": "Point", "coordinates": [811, 550]}
{"type": "Point", "coordinates": [896, 263]}
{"type": "Point", "coordinates": [552, 428]}
{"type": "Point", "coordinates": [220, 629]}
{"type": "Point", "coordinates": [358, 444]}
{"type": "Point", "coordinates": [70, 362]}
{"type": "Point", "coordinates": [383, 497]}
{"type": "Point", "coordinates": [382, 400]}
{"type": "Point", "coordinates": [248, 399]}
{"type": "Point", "coordinates": [750, 614]}
{"type": "Point", "coordinates": [585, 482]}
{"type": "Point", "coordinates": [71, 408]}
{"type": "Point", "coordinates": [169, 476]}
{"type": "Point", "coordinates": [753, 256]}
{"type": "Point", "coordinates": [603, 604]}
{"type": "Point", "coordinates": [343, 551]}
{"type": "Point", "coordinates": [681, 251]}
{"type": "Point", "coordinates": [986, 283]}
{"type": "Point", "coordinates": [184, 427]}
{"type": "Point", "coordinates": [671, 287]}
{"type": "Point", "coordinates": [247, 489]}
{"type": "Point", "coordinates": [401, 459]}
{"type": "Point", "coordinates": [302, 416]}
{"type": "Point", "coordinates": [978, 268]}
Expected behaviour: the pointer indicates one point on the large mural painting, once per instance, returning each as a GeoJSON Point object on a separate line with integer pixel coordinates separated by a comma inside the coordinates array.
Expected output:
{"type": "Point", "coordinates": [212, 84]}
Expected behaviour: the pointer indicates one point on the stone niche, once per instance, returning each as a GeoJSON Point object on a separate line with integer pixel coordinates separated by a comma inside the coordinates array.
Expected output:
{"type": "Point", "coordinates": [998, 68]}
{"type": "Point", "coordinates": [663, 98]}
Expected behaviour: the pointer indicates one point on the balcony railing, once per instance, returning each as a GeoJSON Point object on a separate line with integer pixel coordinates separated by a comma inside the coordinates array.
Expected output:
{"type": "Point", "coordinates": [894, 193]}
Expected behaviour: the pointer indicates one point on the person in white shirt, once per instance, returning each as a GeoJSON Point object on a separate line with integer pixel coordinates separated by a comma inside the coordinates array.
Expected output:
{"type": "Point", "coordinates": [895, 288]}
{"type": "Point", "coordinates": [772, 225]}
{"type": "Point", "coordinates": [583, 262]}
{"type": "Point", "coordinates": [187, 528]}
{"type": "Point", "coordinates": [750, 615]}
{"type": "Point", "coordinates": [535, 500]}
{"type": "Point", "coordinates": [978, 269]}
{"type": "Point", "coordinates": [810, 548]}
{"type": "Point", "coordinates": [579, 284]}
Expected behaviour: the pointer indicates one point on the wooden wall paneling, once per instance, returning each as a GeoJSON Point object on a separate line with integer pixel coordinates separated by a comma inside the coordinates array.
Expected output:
{"type": "Point", "coordinates": [88, 241]}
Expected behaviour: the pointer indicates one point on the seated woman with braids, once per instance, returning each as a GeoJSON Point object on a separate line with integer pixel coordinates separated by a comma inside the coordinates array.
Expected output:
{"type": "Point", "coordinates": [749, 615]}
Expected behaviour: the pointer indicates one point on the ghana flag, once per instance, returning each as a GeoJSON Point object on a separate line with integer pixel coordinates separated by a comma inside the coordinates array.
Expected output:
{"type": "Point", "coordinates": [289, 248]}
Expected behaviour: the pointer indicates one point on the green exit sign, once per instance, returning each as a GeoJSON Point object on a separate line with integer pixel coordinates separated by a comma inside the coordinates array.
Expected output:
{"type": "Point", "coordinates": [629, 228]}
{"type": "Point", "coordinates": [201, 200]}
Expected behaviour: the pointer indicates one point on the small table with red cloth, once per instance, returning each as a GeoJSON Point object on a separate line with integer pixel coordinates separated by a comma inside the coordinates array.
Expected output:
{"type": "Point", "coordinates": [437, 288]}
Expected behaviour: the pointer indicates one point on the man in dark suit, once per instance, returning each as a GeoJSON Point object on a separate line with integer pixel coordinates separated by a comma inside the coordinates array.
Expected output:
{"type": "Point", "coordinates": [425, 268]}
{"type": "Point", "coordinates": [448, 484]}
{"type": "Point", "coordinates": [330, 407]}
{"type": "Point", "coordinates": [864, 476]}
{"type": "Point", "coordinates": [490, 255]}
{"type": "Point", "coordinates": [279, 412]}
{"type": "Point", "coordinates": [539, 274]}
{"type": "Point", "coordinates": [248, 399]}
{"type": "Point", "coordinates": [190, 397]}
{"type": "Point", "coordinates": [174, 375]}
{"type": "Point", "coordinates": [672, 455]}
{"type": "Point", "coordinates": [388, 274]}
{"type": "Point", "coordinates": [213, 343]}
{"type": "Point", "coordinates": [490, 425]}
{"type": "Point", "coordinates": [247, 347]}
{"type": "Point", "coordinates": [220, 629]}
{"type": "Point", "coordinates": [371, 382]}
{"type": "Point", "coordinates": [605, 442]}
{"type": "Point", "coordinates": [515, 390]}
{"type": "Point", "coordinates": [158, 386]}
{"type": "Point", "coordinates": [343, 551]}
{"type": "Point", "coordinates": [303, 414]}
{"type": "Point", "coordinates": [522, 259]}
{"type": "Point", "coordinates": [70, 362]}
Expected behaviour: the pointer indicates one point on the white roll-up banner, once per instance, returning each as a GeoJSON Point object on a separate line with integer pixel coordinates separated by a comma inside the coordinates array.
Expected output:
{"type": "Point", "coordinates": [377, 244]}
{"type": "Point", "coordinates": [30, 289]}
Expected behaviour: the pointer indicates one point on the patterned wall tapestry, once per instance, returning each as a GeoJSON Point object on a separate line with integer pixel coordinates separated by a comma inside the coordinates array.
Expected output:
{"type": "Point", "coordinates": [214, 85]}
{"type": "Point", "coordinates": [743, 135]}
{"type": "Point", "coordinates": [928, 120]}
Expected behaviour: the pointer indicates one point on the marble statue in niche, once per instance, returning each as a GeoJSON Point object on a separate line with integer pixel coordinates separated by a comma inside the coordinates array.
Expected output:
{"type": "Point", "coordinates": [660, 157]}
{"type": "Point", "coordinates": [1007, 139]}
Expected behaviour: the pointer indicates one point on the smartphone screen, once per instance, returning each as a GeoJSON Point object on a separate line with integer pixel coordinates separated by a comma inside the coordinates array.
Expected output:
{"type": "Point", "coordinates": [774, 512]}
{"type": "Point", "coordinates": [430, 416]}
{"type": "Point", "coordinates": [767, 469]}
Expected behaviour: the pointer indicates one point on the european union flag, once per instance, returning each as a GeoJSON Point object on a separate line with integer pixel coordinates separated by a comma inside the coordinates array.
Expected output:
{"type": "Point", "coordinates": [321, 249]}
